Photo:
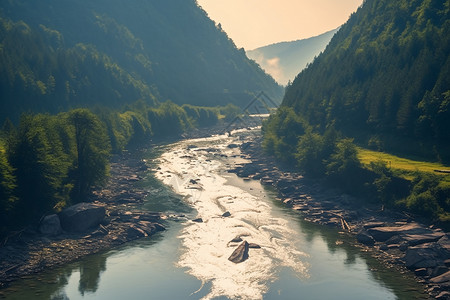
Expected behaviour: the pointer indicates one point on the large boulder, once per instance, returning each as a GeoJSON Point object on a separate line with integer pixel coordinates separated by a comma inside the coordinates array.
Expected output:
{"type": "Point", "coordinates": [240, 254]}
{"type": "Point", "coordinates": [81, 216]}
{"type": "Point", "coordinates": [421, 258]}
{"type": "Point", "coordinates": [418, 239]}
{"type": "Point", "coordinates": [443, 278]}
{"type": "Point", "coordinates": [382, 234]}
{"type": "Point", "coordinates": [428, 255]}
{"type": "Point", "coordinates": [50, 225]}
{"type": "Point", "coordinates": [365, 238]}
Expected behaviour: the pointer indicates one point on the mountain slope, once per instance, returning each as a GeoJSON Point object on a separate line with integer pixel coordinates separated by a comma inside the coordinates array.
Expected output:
{"type": "Point", "coordinates": [116, 51]}
{"type": "Point", "coordinates": [285, 60]}
{"type": "Point", "coordinates": [384, 79]}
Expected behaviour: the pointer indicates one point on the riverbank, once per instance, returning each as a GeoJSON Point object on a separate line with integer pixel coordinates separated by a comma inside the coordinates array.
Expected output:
{"type": "Point", "coordinates": [396, 239]}
{"type": "Point", "coordinates": [29, 251]}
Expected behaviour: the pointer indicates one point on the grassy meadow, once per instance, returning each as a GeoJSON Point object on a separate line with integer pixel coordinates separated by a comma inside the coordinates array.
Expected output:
{"type": "Point", "coordinates": [405, 167]}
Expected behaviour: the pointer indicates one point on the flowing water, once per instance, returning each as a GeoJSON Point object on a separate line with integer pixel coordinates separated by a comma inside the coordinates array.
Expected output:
{"type": "Point", "coordinates": [297, 259]}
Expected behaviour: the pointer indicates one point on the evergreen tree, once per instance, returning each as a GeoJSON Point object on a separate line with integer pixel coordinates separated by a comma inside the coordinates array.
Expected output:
{"type": "Point", "coordinates": [91, 165]}
{"type": "Point", "coordinates": [38, 169]}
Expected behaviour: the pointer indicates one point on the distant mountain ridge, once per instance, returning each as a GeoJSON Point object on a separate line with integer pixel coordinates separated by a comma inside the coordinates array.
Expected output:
{"type": "Point", "coordinates": [60, 54]}
{"type": "Point", "coordinates": [285, 60]}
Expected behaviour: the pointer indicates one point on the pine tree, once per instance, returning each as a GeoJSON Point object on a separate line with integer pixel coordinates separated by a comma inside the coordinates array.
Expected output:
{"type": "Point", "coordinates": [91, 165]}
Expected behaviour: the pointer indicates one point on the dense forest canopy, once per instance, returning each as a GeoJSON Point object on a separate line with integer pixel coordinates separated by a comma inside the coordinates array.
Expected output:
{"type": "Point", "coordinates": [56, 55]}
{"type": "Point", "coordinates": [384, 79]}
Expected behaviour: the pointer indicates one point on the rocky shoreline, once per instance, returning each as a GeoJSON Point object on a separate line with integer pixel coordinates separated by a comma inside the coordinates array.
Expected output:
{"type": "Point", "coordinates": [31, 251]}
{"type": "Point", "coordinates": [396, 239]}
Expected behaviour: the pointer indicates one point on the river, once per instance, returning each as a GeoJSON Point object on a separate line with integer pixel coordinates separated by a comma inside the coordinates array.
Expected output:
{"type": "Point", "coordinates": [207, 208]}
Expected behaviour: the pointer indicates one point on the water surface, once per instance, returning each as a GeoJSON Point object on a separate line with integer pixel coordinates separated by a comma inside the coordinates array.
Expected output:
{"type": "Point", "coordinates": [297, 259]}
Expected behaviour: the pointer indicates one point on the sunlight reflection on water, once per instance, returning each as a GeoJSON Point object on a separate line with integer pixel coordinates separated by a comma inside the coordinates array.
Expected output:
{"type": "Point", "coordinates": [206, 245]}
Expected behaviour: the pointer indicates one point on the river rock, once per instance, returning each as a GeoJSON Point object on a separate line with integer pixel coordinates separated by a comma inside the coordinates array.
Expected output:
{"type": "Point", "coordinates": [134, 232]}
{"type": "Point", "coordinates": [396, 239]}
{"type": "Point", "coordinates": [150, 216]}
{"type": "Point", "coordinates": [421, 272]}
{"type": "Point", "coordinates": [148, 227]}
{"type": "Point", "coordinates": [237, 239]}
{"type": "Point", "coordinates": [444, 278]}
{"type": "Point", "coordinates": [50, 225]}
{"type": "Point", "coordinates": [288, 190]}
{"type": "Point", "coordinates": [382, 234]}
{"type": "Point", "coordinates": [365, 238]}
{"type": "Point", "coordinates": [81, 216]}
{"type": "Point", "coordinates": [246, 145]}
{"type": "Point", "coordinates": [240, 254]}
{"type": "Point", "coordinates": [439, 270]}
{"type": "Point", "coordinates": [373, 224]}
{"type": "Point", "coordinates": [159, 227]}
{"type": "Point", "coordinates": [226, 214]}
{"type": "Point", "coordinates": [424, 256]}
{"type": "Point", "coordinates": [417, 239]}
{"type": "Point", "coordinates": [444, 243]}
{"type": "Point", "coordinates": [445, 295]}
{"type": "Point", "coordinates": [247, 170]}
{"type": "Point", "coordinates": [198, 220]}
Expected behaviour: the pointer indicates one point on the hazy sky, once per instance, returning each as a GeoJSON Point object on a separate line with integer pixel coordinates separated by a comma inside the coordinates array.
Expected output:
{"type": "Point", "coordinates": [255, 23]}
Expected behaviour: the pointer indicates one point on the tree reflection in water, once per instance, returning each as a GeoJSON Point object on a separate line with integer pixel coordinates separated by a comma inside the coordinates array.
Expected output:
{"type": "Point", "coordinates": [90, 271]}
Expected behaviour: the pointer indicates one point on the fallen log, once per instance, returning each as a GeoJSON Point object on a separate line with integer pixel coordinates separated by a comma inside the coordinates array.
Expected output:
{"type": "Point", "coordinates": [345, 225]}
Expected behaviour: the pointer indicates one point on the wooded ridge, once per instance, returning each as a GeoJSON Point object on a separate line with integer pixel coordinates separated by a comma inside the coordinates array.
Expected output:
{"type": "Point", "coordinates": [383, 83]}
{"type": "Point", "coordinates": [58, 55]}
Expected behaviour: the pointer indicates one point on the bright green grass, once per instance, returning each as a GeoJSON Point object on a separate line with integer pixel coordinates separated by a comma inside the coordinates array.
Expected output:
{"type": "Point", "coordinates": [406, 167]}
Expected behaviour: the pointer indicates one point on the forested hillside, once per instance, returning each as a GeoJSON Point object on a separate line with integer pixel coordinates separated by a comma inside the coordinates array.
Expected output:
{"type": "Point", "coordinates": [286, 59]}
{"type": "Point", "coordinates": [384, 79]}
{"type": "Point", "coordinates": [383, 82]}
{"type": "Point", "coordinates": [56, 55]}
